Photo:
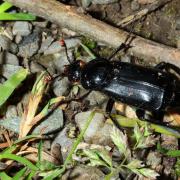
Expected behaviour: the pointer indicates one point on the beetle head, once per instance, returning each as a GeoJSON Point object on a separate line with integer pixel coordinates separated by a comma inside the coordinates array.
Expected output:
{"type": "Point", "coordinates": [73, 71]}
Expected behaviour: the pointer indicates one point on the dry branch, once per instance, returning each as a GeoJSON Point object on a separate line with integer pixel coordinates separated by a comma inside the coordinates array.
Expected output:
{"type": "Point", "coordinates": [67, 16]}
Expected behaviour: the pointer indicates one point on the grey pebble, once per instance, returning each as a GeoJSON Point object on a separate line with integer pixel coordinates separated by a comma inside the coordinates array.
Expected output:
{"type": "Point", "coordinates": [18, 39]}
{"type": "Point", "coordinates": [8, 70]}
{"type": "Point", "coordinates": [60, 60]}
{"type": "Point", "coordinates": [86, 3]}
{"type": "Point", "coordinates": [178, 23]}
{"type": "Point", "coordinates": [96, 98]}
{"type": "Point", "coordinates": [135, 5]}
{"type": "Point", "coordinates": [22, 28]}
{"type": "Point", "coordinates": [154, 159]}
{"type": "Point", "coordinates": [55, 47]}
{"type": "Point", "coordinates": [45, 44]}
{"type": "Point", "coordinates": [178, 41]}
{"type": "Point", "coordinates": [11, 111]}
{"type": "Point", "coordinates": [53, 122]}
{"type": "Point", "coordinates": [104, 1]}
{"type": "Point", "coordinates": [29, 45]}
{"type": "Point", "coordinates": [82, 172]}
{"type": "Point", "coordinates": [126, 58]}
{"type": "Point", "coordinates": [98, 131]}
{"type": "Point", "coordinates": [61, 87]}
{"type": "Point", "coordinates": [6, 44]}
{"type": "Point", "coordinates": [64, 141]}
{"type": "Point", "coordinates": [8, 58]}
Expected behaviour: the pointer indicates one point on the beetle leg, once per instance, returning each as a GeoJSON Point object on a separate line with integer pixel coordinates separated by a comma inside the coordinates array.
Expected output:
{"type": "Point", "coordinates": [155, 118]}
{"type": "Point", "coordinates": [167, 67]}
{"type": "Point", "coordinates": [79, 98]}
{"type": "Point", "coordinates": [109, 105]}
{"type": "Point", "coordinates": [140, 113]}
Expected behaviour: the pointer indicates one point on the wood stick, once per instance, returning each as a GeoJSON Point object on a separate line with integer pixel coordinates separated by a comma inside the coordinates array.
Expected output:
{"type": "Point", "coordinates": [69, 17]}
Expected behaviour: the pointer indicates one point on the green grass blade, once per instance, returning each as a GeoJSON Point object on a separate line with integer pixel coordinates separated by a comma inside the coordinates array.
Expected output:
{"type": "Point", "coordinates": [10, 85]}
{"type": "Point", "coordinates": [16, 16]}
{"type": "Point", "coordinates": [19, 159]}
{"type": "Point", "coordinates": [39, 153]}
{"type": "Point", "coordinates": [79, 139]}
{"type": "Point", "coordinates": [31, 175]}
{"type": "Point", "coordinates": [10, 149]}
{"type": "Point", "coordinates": [4, 176]}
{"type": "Point", "coordinates": [128, 122]}
{"type": "Point", "coordinates": [55, 174]}
{"type": "Point", "coordinates": [5, 6]}
{"type": "Point", "coordinates": [32, 136]}
{"type": "Point", "coordinates": [20, 174]}
{"type": "Point", "coordinates": [168, 152]}
{"type": "Point", "coordinates": [88, 51]}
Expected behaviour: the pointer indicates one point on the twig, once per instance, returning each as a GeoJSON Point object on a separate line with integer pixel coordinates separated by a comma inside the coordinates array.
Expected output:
{"type": "Point", "coordinates": [69, 17]}
{"type": "Point", "coordinates": [138, 15]}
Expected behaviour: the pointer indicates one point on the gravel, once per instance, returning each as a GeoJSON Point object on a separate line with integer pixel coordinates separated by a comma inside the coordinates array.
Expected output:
{"type": "Point", "coordinates": [53, 122]}
{"type": "Point", "coordinates": [8, 58]}
{"type": "Point", "coordinates": [29, 45]}
{"type": "Point", "coordinates": [21, 28]}
{"type": "Point", "coordinates": [6, 44]}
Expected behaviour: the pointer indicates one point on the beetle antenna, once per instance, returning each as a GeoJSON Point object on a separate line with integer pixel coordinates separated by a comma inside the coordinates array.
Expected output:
{"type": "Point", "coordinates": [124, 45]}
{"type": "Point", "coordinates": [63, 44]}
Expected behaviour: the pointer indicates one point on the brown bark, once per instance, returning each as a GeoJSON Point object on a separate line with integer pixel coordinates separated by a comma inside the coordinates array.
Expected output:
{"type": "Point", "coordinates": [67, 16]}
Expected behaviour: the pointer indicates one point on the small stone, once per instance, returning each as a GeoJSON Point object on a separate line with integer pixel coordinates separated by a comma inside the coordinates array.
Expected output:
{"type": "Point", "coordinates": [11, 111]}
{"type": "Point", "coordinates": [143, 2]}
{"type": "Point", "coordinates": [178, 23]}
{"type": "Point", "coordinates": [18, 39]}
{"type": "Point", "coordinates": [135, 5]}
{"type": "Point", "coordinates": [69, 32]}
{"type": "Point", "coordinates": [42, 24]}
{"type": "Point", "coordinates": [83, 172]}
{"type": "Point", "coordinates": [52, 123]}
{"type": "Point", "coordinates": [98, 131]}
{"type": "Point", "coordinates": [8, 70]}
{"type": "Point", "coordinates": [55, 47]}
{"type": "Point", "coordinates": [86, 3]}
{"type": "Point", "coordinates": [178, 43]}
{"type": "Point", "coordinates": [22, 28]}
{"type": "Point", "coordinates": [96, 123]}
{"type": "Point", "coordinates": [171, 143]}
{"type": "Point", "coordinates": [64, 141]}
{"type": "Point", "coordinates": [6, 44]}
{"type": "Point", "coordinates": [8, 58]}
{"type": "Point", "coordinates": [154, 159]}
{"type": "Point", "coordinates": [104, 1]}
{"type": "Point", "coordinates": [126, 58]}
{"type": "Point", "coordinates": [29, 45]}
{"type": "Point", "coordinates": [61, 87]}
{"type": "Point", "coordinates": [45, 44]}
{"type": "Point", "coordinates": [35, 67]}
{"type": "Point", "coordinates": [56, 153]}
{"type": "Point", "coordinates": [60, 60]}
{"type": "Point", "coordinates": [96, 98]}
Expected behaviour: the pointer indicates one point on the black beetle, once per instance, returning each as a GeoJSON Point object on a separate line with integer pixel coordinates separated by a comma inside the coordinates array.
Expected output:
{"type": "Point", "coordinates": [153, 89]}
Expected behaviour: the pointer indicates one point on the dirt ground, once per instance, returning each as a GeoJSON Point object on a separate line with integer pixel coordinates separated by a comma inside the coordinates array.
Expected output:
{"type": "Point", "coordinates": [161, 25]}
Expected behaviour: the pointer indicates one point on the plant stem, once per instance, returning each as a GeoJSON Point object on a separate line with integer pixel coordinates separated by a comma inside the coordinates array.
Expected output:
{"type": "Point", "coordinates": [116, 170]}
